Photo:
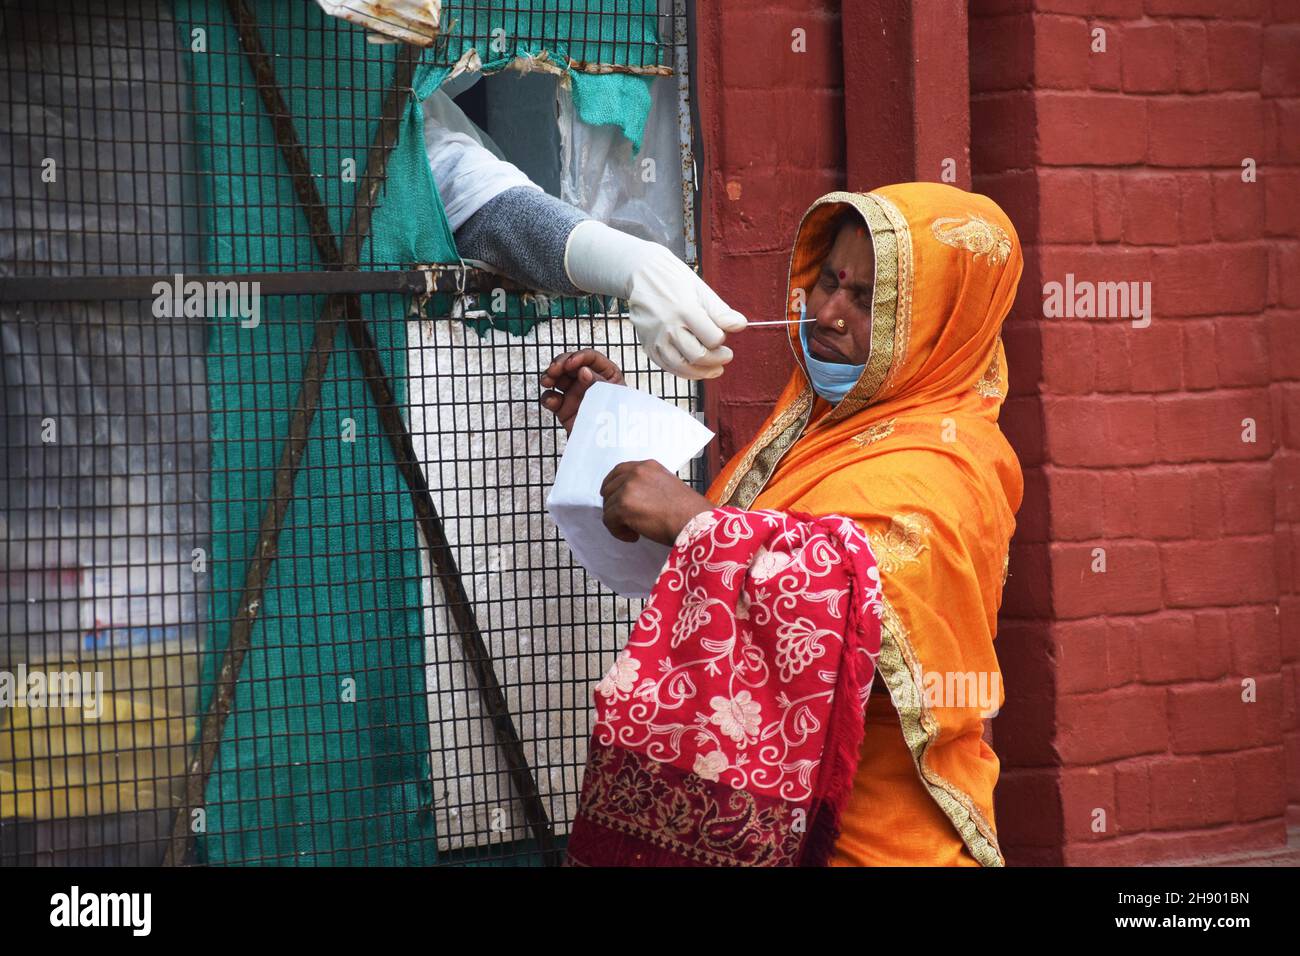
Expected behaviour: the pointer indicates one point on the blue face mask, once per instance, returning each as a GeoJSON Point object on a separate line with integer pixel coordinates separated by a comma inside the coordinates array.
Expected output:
{"type": "Point", "coordinates": [831, 380]}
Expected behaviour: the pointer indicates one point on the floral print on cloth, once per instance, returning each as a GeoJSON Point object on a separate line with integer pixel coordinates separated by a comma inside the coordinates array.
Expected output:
{"type": "Point", "coordinates": [727, 730]}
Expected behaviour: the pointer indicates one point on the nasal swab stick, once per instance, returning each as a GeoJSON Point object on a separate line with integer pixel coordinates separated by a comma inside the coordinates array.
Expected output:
{"type": "Point", "coordinates": [803, 309]}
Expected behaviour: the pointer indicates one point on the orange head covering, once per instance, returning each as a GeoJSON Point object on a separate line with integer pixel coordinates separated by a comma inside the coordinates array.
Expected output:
{"type": "Point", "coordinates": [914, 455]}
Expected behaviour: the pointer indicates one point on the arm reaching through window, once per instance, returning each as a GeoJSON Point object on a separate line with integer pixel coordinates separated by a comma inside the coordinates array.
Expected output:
{"type": "Point", "coordinates": [500, 217]}
{"type": "Point", "coordinates": [521, 233]}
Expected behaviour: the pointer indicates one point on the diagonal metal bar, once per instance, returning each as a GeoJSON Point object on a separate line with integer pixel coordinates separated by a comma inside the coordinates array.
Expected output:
{"type": "Point", "coordinates": [473, 647]}
{"type": "Point", "coordinates": [305, 408]}
{"type": "Point", "coordinates": [348, 307]}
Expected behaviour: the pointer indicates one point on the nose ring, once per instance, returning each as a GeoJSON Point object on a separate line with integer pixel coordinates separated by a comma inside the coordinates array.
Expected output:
{"type": "Point", "coordinates": [839, 324]}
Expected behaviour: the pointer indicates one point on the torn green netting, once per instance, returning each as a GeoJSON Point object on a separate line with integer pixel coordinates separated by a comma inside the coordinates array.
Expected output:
{"type": "Point", "coordinates": [608, 32]}
{"type": "Point", "coordinates": [597, 32]}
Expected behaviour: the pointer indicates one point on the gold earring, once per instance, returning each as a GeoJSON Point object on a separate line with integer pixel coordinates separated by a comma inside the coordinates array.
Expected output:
{"type": "Point", "coordinates": [839, 324]}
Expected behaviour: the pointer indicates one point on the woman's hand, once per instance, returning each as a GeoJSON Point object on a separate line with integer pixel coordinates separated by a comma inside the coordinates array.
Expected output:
{"type": "Point", "coordinates": [645, 498]}
{"type": "Point", "coordinates": [569, 376]}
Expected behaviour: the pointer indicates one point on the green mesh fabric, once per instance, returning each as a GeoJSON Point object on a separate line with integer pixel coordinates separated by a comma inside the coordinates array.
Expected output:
{"type": "Point", "coordinates": [589, 31]}
{"type": "Point", "coordinates": [622, 32]}
{"type": "Point", "coordinates": [304, 774]}
{"type": "Point", "coordinates": [324, 758]}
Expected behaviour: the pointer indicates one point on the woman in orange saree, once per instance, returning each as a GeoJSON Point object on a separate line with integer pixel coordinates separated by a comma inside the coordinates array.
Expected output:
{"type": "Point", "coordinates": [912, 453]}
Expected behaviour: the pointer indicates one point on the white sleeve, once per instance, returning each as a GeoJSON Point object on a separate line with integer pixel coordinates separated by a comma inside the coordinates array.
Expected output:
{"type": "Point", "coordinates": [465, 169]}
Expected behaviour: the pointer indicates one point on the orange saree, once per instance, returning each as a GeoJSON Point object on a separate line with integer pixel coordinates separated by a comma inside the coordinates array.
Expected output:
{"type": "Point", "coordinates": [914, 455]}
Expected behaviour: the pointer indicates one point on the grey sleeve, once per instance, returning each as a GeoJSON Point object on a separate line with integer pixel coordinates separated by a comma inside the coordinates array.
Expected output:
{"type": "Point", "coordinates": [522, 233]}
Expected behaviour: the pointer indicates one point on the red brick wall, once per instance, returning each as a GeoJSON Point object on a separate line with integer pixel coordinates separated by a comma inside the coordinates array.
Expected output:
{"type": "Point", "coordinates": [1124, 688]}
{"type": "Point", "coordinates": [1119, 165]}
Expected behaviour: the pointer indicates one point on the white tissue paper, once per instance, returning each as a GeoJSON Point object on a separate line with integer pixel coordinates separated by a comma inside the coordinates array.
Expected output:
{"type": "Point", "coordinates": [617, 424]}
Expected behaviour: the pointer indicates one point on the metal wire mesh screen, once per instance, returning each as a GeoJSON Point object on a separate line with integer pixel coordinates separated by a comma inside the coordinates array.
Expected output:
{"type": "Point", "coordinates": [585, 32]}
{"type": "Point", "coordinates": [107, 494]}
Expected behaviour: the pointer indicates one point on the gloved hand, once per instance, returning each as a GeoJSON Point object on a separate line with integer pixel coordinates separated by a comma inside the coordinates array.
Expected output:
{"type": "Point", "coordinates": [680, 322]}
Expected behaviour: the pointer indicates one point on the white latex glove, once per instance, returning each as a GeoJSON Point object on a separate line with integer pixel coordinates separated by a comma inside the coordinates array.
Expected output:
{"type": "Point", "coordinates": [680, 322]}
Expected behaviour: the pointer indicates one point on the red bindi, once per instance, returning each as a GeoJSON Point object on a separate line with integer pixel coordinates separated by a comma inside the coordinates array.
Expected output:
{"type": "Point", "coordinates": [843, 273]}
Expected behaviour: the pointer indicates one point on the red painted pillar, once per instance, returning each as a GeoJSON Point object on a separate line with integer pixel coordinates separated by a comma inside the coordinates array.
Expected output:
{"type": "Point", "coordinates": [906, 93]}
{"type": "Point", "coordinates": [769, 90]}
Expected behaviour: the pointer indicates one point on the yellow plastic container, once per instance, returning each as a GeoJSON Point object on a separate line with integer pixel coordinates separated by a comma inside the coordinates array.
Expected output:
{"type": "Point", "coordinates": [124, 750]}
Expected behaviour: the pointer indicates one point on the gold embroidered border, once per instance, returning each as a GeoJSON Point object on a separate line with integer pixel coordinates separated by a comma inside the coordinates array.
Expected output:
{"type": "Point", "coordinates": [906, 271]}
{"type": "Point", "coordinates": [873, 433]}
{"type": "Point", "coordinates": [884, 307]}
{"type": "Point", "coordinates": [747, 480]}
{"type": "Point", "coordinates": [685, 817]}
{"type": "Point", "coordinates": [898, 666]}
{"type": "Point", "coordinates": [656, 837]}
{"type": "Point", "coordinates": [987, 385]}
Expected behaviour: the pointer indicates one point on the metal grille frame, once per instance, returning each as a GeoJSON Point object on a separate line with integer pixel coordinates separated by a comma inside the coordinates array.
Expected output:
{"type": "Point", "coordinates": [77, 277]}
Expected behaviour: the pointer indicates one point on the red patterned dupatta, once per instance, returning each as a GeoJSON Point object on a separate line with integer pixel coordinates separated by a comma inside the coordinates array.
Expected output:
{"type": "Point", "coordinates": [727, 731]}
